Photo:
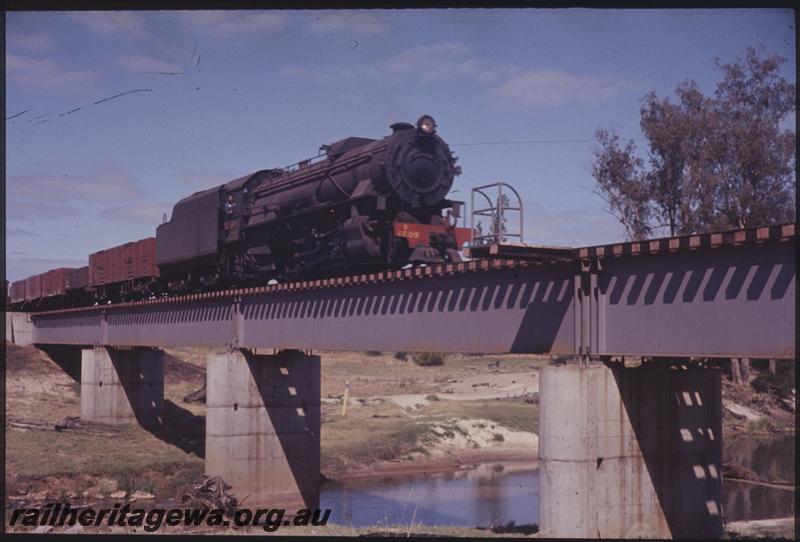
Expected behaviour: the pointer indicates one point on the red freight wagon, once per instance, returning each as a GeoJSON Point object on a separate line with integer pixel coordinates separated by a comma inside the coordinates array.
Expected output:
{"type": "Point", "coordinates": [97, 268]}
{"type": "Point", "coordinates": [54, 282]}
{"type": "Point", "coordinates": [115, 259]}
{"type": "Point", "coordinates": [33, 287]}
{"type": "Point", "coordinates": [78, 278]}
{"type": "Point", "coordinates": [125, 262]}
{"type": "Point", "coordinates": [18, 291]}
{"type": "Point", "coordinates": [144, 258]}
{"type": "Point", "coordinates": [100, 267]}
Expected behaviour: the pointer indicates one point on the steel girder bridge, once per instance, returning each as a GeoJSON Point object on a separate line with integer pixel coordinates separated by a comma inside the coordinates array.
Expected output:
{"type": "Point", "coordinates": [728, 294]}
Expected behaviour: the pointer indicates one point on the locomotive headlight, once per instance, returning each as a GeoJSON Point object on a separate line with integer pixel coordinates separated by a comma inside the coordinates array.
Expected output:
{"type": "Point", "coordinates": [426, 125]}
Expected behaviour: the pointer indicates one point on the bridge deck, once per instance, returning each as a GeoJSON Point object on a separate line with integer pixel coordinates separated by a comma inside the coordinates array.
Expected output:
{"type": "Point", "coordinates": [724, 294]}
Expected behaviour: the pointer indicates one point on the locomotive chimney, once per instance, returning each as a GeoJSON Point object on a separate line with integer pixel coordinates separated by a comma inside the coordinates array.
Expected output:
{"type": "Point", "coordinates": [397, 126]}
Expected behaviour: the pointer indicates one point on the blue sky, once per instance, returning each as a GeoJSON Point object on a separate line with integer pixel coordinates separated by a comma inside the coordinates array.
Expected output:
{"type": "Point", "coordinates": [222, 94]}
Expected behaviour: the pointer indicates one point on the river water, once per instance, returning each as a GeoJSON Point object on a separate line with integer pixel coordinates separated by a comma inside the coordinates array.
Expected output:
{"type": "Point", "coordinates": [485, 496]}
{"type": "Point", "coordinates": [771, 459]}
{"type": "Point", "coordinates": [498, 494]}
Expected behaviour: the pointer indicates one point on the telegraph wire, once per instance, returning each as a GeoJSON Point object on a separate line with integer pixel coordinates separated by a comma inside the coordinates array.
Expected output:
{"type": "Point", "coordinates": [535, 141]}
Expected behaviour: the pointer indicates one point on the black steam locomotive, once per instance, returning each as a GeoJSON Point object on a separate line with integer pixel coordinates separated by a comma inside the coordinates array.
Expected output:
{"type": "Point", "coordinates": [362, 205]}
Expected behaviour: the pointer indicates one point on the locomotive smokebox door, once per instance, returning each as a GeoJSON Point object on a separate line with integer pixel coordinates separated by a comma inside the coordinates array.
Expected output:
{"type": "Point", "coordinates": [419, 168]}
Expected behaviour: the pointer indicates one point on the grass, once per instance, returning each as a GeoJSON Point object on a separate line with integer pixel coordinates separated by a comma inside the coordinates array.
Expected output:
{"type": "Point", "coordinates": [129, 457]}
{"type": "Point", "coordinates": [383, 431]}
{"type": "Point", "coordinates": [428, 359]}
{"type": "Point", "coordinates": [130, 482]}
{"type": "Point", "coordinates": [767, 425]}
{"type": "Point", "coordinates": [778, 384]}
{"type": "Point", "coordinates": [133, 458]}
{"type": "Point", "coordinates": [387, 374]}
{"type": "Point", "coordinates": [561, 359]}
{"type": "Point", "coordinates": [367, 435]}
{"type": "Point", "coordinates": [512, 413]}
{"type": "Point", "coordinates": [131, 450]}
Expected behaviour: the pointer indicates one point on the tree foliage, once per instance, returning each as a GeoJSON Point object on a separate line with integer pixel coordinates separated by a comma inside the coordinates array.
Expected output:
{"type": "Point", "coordinates": [713, 162]}
{"type": "Point", "coordinates": [620, 179]}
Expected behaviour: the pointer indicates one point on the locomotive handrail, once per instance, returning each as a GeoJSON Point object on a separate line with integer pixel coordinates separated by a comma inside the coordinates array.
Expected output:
{"type": "Point", "coordinates": [310, 175]}
{"type": "Point", "coordinates": [496, 209]}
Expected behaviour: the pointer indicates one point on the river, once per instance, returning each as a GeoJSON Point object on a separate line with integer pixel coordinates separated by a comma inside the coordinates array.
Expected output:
{"type": "Point", "coordinates": [498, 494]}
{"type": "Point", "coordinates": [484, 496]}
{"type": "Point", "coordinates": [770, 459]}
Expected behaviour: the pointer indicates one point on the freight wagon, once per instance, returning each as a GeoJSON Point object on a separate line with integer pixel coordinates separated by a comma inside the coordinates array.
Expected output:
{"type": "Point", "coordinates": [52, 288]}
{"type": "Point", "coordinates": [124, 270]}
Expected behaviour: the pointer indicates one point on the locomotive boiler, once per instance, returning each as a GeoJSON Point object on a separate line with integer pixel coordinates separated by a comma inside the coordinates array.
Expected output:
{"type": "Point", "coordinates": [361, 205]}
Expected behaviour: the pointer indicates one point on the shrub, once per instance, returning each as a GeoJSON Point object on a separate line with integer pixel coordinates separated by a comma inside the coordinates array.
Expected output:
{"type": "Point", "coordinates": [374, 353]}
{"type": "Point", "coordinates": [433, 397]}
{"type": "Point", "coordinates": [779, 384]}
{"type": "Point", "coordinates": [401, 355]}
{"type": "Point", "coordinates": [761, 383]}
{"type": "Point", "coordinates": [560, 360]}
{"type": "Point", "coordinates": [428, 359]}
{"type": "Point", "coordinates": [126, 481]}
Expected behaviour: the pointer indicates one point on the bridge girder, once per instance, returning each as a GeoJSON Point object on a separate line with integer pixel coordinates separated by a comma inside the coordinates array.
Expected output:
{"type": "Point", "coordinates": [732, 300]}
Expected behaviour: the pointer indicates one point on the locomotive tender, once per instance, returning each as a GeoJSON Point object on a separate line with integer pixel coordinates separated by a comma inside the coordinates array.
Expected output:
{"type": "Point", "coordinates": [361, 205]}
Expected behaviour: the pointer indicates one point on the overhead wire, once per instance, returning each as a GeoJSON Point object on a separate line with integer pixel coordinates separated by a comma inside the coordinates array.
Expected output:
{"type": "Point", "coordinates": [535, 141]}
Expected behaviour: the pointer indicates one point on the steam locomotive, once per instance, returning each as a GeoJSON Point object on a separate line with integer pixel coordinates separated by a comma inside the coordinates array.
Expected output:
{"type": "Point", "coordinates": [361, 205]}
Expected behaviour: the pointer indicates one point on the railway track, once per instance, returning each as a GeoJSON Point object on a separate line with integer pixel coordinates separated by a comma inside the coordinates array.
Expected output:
{"type": "Point", "coordinates": [495, 256]}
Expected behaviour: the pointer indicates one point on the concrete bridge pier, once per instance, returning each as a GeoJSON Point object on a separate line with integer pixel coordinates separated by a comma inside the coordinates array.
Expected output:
{"type": "Point", "coordinates": [19, 328]}
{"type": "Point", "coordinates": [630, 452]}
{"type": "Point", "coordinates": [263, 427]}
{"type": "Point", "coordinates": [122, 386]}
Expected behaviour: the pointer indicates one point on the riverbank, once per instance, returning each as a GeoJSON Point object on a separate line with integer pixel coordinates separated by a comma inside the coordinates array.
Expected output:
{"type": "Point", "coordinates": [769, 529]}
{"type": "Point", "coordinates": [757, 408]}
{"type": "Point", "coordinates": [475, 410]}
{"type": "Point", "coordinates": [400, 419]}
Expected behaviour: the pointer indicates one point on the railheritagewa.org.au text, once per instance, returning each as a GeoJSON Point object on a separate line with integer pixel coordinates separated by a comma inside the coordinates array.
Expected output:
{"type": "Point", "coordinates": [64, 515]}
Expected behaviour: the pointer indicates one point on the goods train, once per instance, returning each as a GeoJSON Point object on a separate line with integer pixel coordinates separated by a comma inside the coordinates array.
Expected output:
{"type": "Point", "coordinates": [361, 205]}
